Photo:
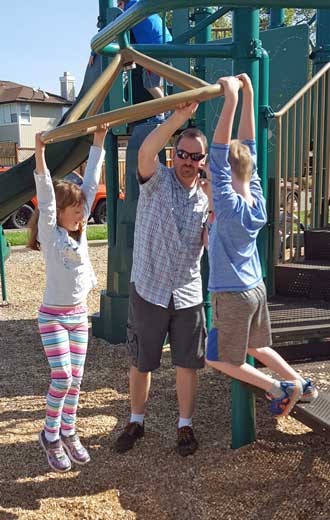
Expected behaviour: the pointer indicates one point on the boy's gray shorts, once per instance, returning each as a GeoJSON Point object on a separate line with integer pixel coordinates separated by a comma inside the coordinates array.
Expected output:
{"type": "Point", "coordinates": [151, 80]}
{"type": "Point", "coordinates": [148, 325]}
{"type": "Point", "coordinates": [242, 320]}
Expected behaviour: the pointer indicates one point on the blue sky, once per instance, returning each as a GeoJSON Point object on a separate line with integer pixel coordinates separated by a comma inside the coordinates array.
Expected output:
{"type": "Point", "coordinates": [42, 39]}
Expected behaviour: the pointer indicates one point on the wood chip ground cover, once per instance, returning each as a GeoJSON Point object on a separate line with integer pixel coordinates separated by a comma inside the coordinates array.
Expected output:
{"type": "Point", "coordinates": [284, 474]}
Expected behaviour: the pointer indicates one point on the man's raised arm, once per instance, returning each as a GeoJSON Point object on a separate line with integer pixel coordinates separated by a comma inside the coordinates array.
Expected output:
{"type": "Point", "coordinates": [148, 154]}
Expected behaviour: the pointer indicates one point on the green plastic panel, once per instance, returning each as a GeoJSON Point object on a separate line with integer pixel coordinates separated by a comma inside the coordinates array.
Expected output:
{"type": "Point", "coordinates": [288, 49]}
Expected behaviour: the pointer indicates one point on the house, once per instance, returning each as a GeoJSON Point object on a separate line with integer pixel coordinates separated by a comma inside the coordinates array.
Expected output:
{"type": "Point", "coordinates": [26, 110]}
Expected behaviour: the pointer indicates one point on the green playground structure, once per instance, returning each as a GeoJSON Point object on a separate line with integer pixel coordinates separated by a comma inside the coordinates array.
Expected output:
{"type": "Point", "coordinates": [4, 254]}
{"type": "Point", "coordinates": [277, 60]}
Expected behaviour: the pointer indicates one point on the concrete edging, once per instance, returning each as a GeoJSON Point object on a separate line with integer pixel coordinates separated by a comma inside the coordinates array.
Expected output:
{"type": "Point", "coordinates": [91, 243]}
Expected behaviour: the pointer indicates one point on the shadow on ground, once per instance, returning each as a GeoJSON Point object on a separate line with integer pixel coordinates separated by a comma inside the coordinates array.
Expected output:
{"type": "Point", "coordinates": [283, 473]}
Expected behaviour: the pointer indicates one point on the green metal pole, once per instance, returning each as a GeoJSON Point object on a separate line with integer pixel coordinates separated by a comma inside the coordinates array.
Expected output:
{"type": "Point", "coordinates": [248, 52]}
{"type": "Point", "coordinates": [2, 265]}
{"type": "Point", "coordinates": [180, 22]}
{"type": "Point", "coordinates": [321, 54]}
{"type": "Point", "coordinates": [168, 50]}
{"type": "Point", "coordinates": [103, 323]}
{"type": "Point", "coordinates": [263, 114]}
{"type": "Point", "coordinates": [202, 38]}
{"type": "Point", "coordinates": [111, 147]}
{"type": "Point", "coordinates": [266, 237]}
{"type": "Point", "coordinates": [103, 6]}
{"type": "Point", "coordinates": [277, 17]}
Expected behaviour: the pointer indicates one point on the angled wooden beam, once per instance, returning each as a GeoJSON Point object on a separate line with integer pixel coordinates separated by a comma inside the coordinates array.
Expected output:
{"type": "Point", "coordinates": [98, 101]}
{"type": "Point", "coordinates": [107, 77]}
{"type": "Point", "coordinates": [179, 78]}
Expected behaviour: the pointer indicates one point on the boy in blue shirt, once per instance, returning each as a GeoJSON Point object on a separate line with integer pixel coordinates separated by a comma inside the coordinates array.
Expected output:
{"type": "Point", "coordinates": [239, 301]}
{"type": "Point", "coordinates": [150, 30]}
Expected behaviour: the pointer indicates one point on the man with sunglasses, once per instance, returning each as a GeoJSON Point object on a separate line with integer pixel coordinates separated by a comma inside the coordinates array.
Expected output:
{"type": "Point", "coordinates": [166, 288]}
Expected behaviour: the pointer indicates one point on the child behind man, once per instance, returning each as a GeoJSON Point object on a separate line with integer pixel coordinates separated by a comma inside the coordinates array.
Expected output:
{"type": "Point", "coordinates": [239, 301]}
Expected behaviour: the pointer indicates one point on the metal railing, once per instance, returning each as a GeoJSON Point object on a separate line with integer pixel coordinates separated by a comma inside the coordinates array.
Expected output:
{"type": "Point", "coordinates": [221, 32]}
{"type": "Point", "coordinates": [302, 172]}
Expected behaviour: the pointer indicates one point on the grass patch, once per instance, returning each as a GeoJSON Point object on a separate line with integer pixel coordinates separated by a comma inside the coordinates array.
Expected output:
{"type": "Point", "coordinates": [97, 232]}
{"type": "Point", "coordinates": [19, 238]}
{"type": "Point", "coordinates": [16, 238]}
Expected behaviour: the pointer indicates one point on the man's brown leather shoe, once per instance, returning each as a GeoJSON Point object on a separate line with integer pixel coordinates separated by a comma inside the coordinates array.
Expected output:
{"type": "Point", "coordinates": [187, 444]}
{"type": "Point", "coordinates": [126, 440]}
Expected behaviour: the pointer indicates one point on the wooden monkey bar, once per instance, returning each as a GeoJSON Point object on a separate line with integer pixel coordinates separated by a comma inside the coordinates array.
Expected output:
{"type": "Point", "coordinates": [195, 89]}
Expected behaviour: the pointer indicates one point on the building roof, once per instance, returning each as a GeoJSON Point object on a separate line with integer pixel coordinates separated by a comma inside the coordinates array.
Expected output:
{"type": "Point", "coordinates": [11, 92]}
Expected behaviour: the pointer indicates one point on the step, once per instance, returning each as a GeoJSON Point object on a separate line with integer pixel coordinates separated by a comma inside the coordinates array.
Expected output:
{"type": "Point", "coordinates": [300, 328]}
{"type": "Point", "coordinates": [299, 318]}
{"type": "Point", "coordinates": [308, 279]}
{"type": "Point", "coordinates": [315, 415]}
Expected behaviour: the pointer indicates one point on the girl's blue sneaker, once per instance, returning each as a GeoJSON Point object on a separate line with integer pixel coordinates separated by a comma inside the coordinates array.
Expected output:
{"type": "Point", "coordinates": [292, 392]}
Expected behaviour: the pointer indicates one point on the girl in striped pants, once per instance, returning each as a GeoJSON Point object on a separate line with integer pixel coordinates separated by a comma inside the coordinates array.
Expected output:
{"type": "Point", "coordinates": [58, 229]}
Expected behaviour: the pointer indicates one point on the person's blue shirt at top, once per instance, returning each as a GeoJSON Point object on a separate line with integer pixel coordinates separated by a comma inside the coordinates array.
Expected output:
{"type": "Point", "coordinates": [149, 30]}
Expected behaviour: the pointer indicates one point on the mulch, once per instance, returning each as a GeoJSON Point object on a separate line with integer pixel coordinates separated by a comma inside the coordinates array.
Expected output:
{"type": "Point", "coordinates": [284, 474]}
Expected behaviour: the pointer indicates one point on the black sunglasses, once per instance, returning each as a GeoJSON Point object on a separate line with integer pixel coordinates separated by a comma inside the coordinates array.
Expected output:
{"type": "Point", "coordinates": [194, 156]}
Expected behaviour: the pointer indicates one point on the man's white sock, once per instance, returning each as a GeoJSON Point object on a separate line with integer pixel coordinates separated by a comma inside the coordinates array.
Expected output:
{"type": "Point", "coordinates": [137, 417]}
{"type": "Point", "coordinates": [184, 422]}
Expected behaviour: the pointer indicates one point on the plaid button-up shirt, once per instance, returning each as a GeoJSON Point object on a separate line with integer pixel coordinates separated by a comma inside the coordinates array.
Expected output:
{"type": "Point", "coordinates": [168, 241]}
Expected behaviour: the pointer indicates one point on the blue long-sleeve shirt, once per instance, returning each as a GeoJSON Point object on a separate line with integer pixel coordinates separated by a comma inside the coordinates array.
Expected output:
{"type": "Point", "coordinates": [233, 254]}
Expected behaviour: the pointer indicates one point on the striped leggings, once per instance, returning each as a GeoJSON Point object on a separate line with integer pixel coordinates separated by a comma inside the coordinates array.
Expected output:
{"type": "Point", "coordinates": [64, 337]}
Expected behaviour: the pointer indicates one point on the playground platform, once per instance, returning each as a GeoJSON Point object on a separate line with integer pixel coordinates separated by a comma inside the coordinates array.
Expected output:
{"type": "Point", "coordinates": [295, 319]}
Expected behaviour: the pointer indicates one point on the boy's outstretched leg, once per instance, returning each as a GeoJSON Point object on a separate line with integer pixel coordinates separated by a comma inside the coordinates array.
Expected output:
{"type": "Point", "coordinates": [284, 394]}
{"type": "Point", "coordinates": [271, 359]}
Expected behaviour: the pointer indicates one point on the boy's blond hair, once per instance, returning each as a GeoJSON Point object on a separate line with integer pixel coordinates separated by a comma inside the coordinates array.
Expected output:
{"type": "Point", "coordinates": [240, 160]}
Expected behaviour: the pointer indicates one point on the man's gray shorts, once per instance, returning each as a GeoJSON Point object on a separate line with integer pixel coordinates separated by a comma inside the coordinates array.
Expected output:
{"type": "Point", "coordinates": [148, 326]}
{"type": "Point", "coordinates": [242, 320]}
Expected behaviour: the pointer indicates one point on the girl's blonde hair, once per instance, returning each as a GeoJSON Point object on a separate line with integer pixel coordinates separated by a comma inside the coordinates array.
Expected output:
{"type": "Point", "coordinates": [240, 160]}
{"type": "Point", "coordinates": [66, 194]}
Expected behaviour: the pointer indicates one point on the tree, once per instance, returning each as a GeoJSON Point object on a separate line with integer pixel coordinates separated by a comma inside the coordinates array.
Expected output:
{"type": "Point", "coordinates": [293, 16]}
{"type": "Point", "coordinates": [296, 16]}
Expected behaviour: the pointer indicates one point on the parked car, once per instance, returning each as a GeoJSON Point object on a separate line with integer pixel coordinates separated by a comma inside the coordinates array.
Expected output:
{"type": "Point", "coordinates": [21, 216]}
